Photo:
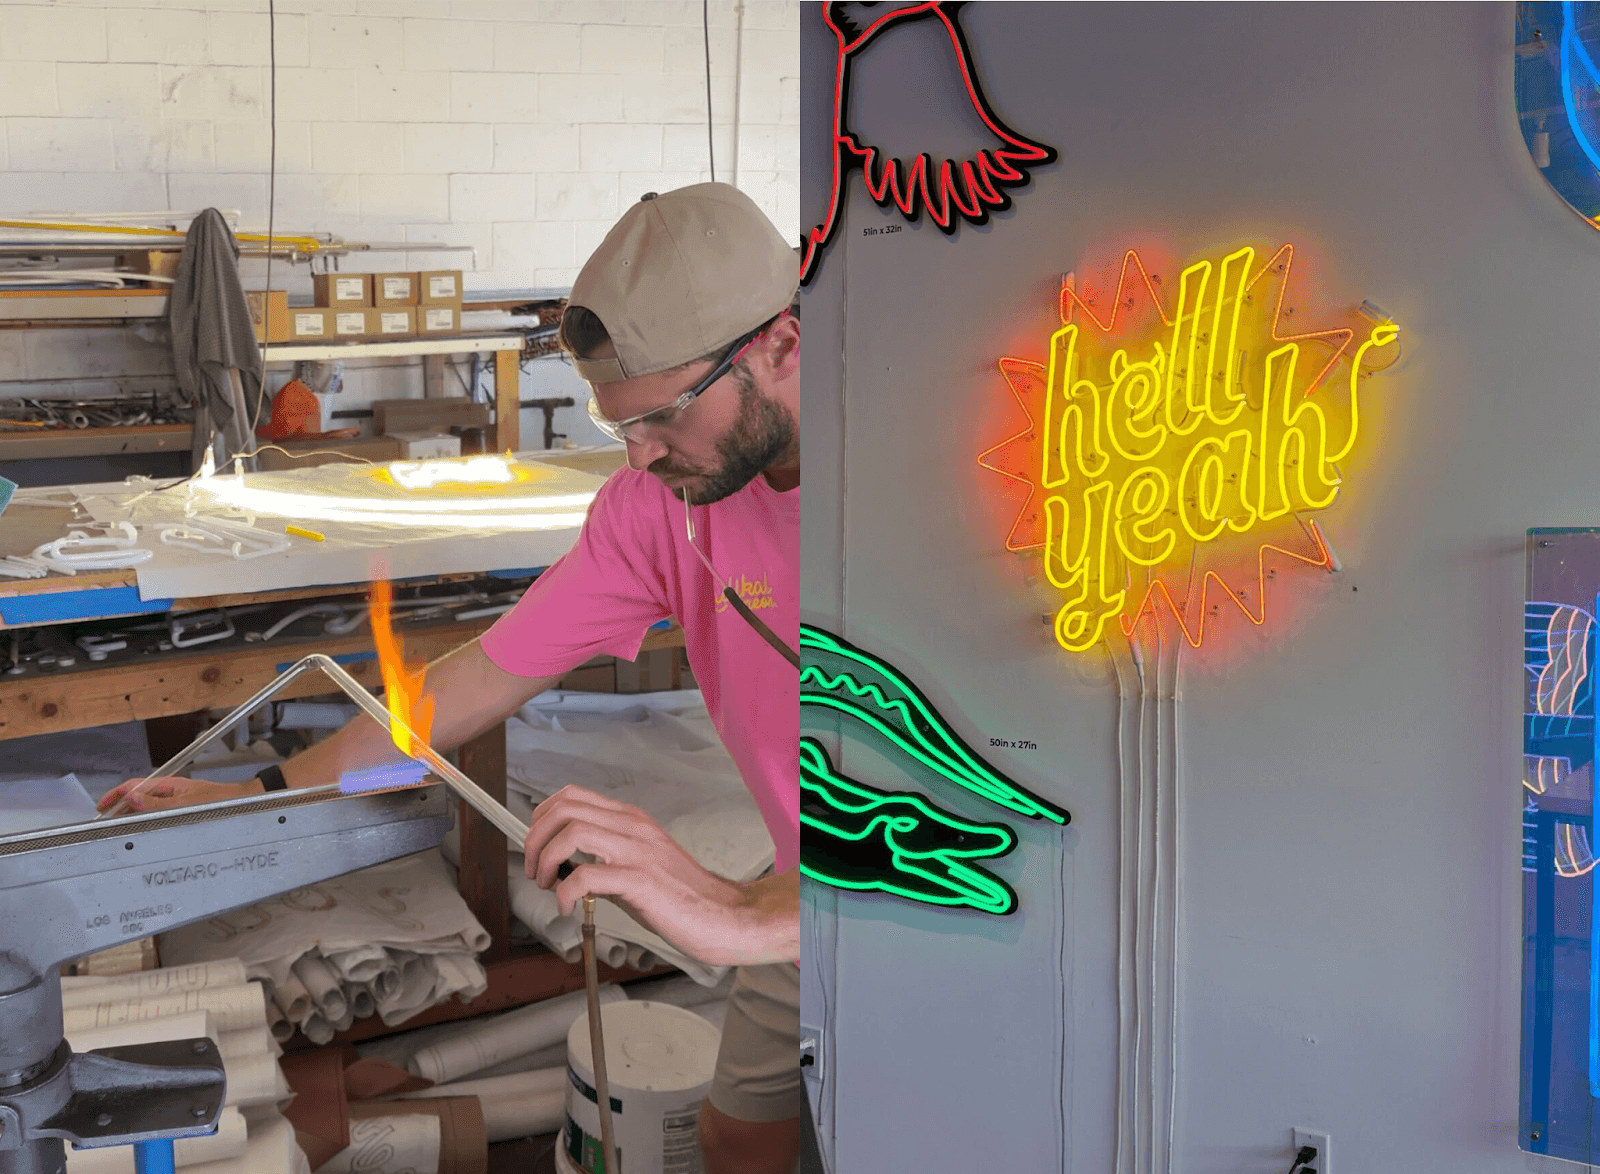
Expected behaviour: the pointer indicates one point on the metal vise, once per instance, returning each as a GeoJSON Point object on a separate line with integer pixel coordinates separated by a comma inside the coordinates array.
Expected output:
{"type": "Point", "coordinates": [66, 892]}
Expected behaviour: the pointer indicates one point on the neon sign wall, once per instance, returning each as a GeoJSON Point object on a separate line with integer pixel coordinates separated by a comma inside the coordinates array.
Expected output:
{"type": "Point", "coordinates": [1145, 445]}
{"type": "Point", "coordinates": [858, 837]}
{"type": "Point", "coordinates": [1561, 932]}
{"type": "Point", "coordinates": [1555, 72]}
{"type": "Point", "coordinates": [950, 191]}
{"type": "Point", "coordinates": [855, 836]}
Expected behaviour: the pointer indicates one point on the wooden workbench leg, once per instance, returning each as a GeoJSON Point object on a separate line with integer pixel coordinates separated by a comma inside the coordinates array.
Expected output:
{"type": "Point", "coordinates": [482, 878]}
{"type": "Point", "coordinates": [507, 401]}
{"type": "Point", "coordinates": [433, 377]}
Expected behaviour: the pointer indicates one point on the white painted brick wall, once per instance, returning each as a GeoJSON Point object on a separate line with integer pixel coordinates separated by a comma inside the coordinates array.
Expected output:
{"type": "Point", "coordinates": [520, 128]}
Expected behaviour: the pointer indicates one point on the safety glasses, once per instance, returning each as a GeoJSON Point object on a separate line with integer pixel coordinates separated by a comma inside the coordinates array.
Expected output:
{"type": "Point", "coordinates": [635, 428]}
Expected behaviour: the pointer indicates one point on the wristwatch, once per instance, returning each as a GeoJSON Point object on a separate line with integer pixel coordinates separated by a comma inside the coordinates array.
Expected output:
{"type": "Point", "coordinates": [272, 779]}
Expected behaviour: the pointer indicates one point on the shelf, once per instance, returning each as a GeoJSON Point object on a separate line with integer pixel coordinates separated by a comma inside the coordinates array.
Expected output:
{"type": "Point", "coordinates": [58, 443]}
{"type": "Point", "coordinates": [68, 306]}
{"type": "Point", "coordinates": [284, 352]}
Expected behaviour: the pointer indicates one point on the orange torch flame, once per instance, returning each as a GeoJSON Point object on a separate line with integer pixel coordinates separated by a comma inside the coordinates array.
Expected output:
{"type": "Point", "coordinates": [410, 705]}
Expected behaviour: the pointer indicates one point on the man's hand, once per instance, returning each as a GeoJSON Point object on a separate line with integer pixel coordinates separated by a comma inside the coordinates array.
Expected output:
{"type": "Point", "coordinates": [656, 882]}
{"type": "Point", "coordinates": [160, 794]}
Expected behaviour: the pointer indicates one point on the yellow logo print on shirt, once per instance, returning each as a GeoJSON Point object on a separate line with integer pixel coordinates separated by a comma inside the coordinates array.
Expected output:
{"type": "Point", "coordinates": [756, 593]}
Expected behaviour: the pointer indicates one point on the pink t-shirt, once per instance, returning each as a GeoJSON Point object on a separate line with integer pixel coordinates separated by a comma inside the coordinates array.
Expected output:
{"type": "Point", "coordinates": [632, 567]}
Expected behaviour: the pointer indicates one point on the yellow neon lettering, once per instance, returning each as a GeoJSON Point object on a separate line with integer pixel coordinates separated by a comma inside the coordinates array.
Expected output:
{"type": "Point", "coordinates": [1157, 448]}
{"type": "Point", "coordinates": [1080, 625]}
{"type": "Point", "coordinates": [1141, 503]}
{"type": "Point", "coordinates": [1072, 417]}
{"type": "Point", "coordinates": [1212, 487]}
{"type": "Point", "coordinates": [1136, 396]}
{"type": "Point", "coordinates": [1299, 453]}
{"type": "Point", "coordinates": [1185, 381]}
{"type": "Point", "coordinates": [1224, 401]}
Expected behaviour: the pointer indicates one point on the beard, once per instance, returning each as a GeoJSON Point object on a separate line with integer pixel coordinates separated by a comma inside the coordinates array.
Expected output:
{"type": "Point", "coordinates": [764, 431]}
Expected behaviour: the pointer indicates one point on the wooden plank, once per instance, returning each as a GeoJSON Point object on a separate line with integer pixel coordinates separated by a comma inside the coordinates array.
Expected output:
{"type": "Point", "coordinates": [88, 581]}
{"type": "Point", "coordinates": [58, 443]}
{"type": "Point", "coordinates": [482, 876]}
{"type": "Point", "coordinates": [211, 677]}
{"type": "Point", "coordinates": [183, 682]}
{"type": "Point", "coordinates": [420, 415]}
{"type": "Point", "coordinates": [433, 377]}
{"type": "Point", "coordinates": [284, 352]}
{"type": "Point", "coordinates": [67, 306]}
{"type": "Point", "coordinates": [212, 602]}
{"type": "Point", "coordinates": [507, 408]}
{"type": "Point", "coordinates": [531, 973]}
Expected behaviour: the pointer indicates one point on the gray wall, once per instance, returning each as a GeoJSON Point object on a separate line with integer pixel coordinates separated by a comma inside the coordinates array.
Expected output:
{"type": "Point", "coordinates": [1350, 908]}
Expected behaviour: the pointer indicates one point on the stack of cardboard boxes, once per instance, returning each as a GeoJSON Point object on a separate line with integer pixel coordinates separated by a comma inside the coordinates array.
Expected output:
{"type": "Point", "coordinates": [363, 306]}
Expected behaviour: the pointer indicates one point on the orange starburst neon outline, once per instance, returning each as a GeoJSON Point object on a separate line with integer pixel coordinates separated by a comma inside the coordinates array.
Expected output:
{"type": "Point", "coordinates": [1132, 277]}
{"type": "Point", "coordinates": [1323, 560]}
{"type": "Point", "coordinates": [1069, 297]}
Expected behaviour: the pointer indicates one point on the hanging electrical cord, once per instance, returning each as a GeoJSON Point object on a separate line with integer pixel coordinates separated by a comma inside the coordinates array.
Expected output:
{"type": "Point", "coordinates": [1177, 902]}
{"type": "Point", "coordinates": [711, 145]}
{"type": "Point", "coordinates": [1136, 916]}
{"type": "Point", "coordinates": [1062, 1002]}
{"type": "Point", "coordinates": [1161, 934]}
{"type": "Point", "coordinates": [1123, 857]}
{"type": "Point", "coordinates": [272, 197]}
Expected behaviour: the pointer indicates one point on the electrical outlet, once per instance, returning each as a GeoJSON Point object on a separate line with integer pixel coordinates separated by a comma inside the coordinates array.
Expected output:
{"type": "Point", "coordinates": [1317, 1141]}
{"type": "Point", "coordinates": [813, 1054]}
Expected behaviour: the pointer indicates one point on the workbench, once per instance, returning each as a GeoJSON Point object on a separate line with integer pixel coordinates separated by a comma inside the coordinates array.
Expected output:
{"type": "Point", "coordinates": [168, 691]}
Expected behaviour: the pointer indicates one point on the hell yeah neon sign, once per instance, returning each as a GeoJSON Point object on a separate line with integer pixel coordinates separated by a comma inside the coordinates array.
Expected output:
{"type": "Point", "coordinates": [1213, 424]}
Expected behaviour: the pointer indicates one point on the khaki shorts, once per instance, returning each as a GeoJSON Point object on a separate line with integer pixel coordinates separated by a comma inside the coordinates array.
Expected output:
{"type": "Point", "coordinates": [758, 1068]}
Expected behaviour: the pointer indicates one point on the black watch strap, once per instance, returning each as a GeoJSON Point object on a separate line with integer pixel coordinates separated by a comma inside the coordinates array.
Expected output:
{"type": "Point", "coordinates": [272, 779]}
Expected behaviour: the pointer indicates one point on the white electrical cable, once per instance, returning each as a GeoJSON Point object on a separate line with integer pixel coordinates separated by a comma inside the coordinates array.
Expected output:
{"type": "Point", "coordinates": [1155, 883]}
{"type": "Point", "coordinates": [1122, 909]}
{"type": "Point", "coordinates": [1156, 896]}
{"type": "Point", "coordinates": [1177, 875]}
{"type": "Point", "coordinates": [1140, 907]}
{"type": "Point", "coordinates": [1177, 918]}
{"type": "Point", "coordinates": [300, 613]}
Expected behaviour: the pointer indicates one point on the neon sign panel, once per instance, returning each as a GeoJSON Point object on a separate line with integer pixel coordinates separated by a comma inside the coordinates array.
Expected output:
{"type": "Point", "coordinates": [858, 837]}
{"type": "Point", "coordinates": [855, 836]}
{"type": "Point", "coordinates": [950, 191]}
{"type": "Point", "coordinates": [1560, 955]}
{"type": "Point", "coordinates": [1210, 425]}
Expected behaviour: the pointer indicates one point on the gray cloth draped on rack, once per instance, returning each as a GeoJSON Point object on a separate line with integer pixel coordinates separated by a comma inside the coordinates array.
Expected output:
{"type": "Point", "coordinates": [212, 336]}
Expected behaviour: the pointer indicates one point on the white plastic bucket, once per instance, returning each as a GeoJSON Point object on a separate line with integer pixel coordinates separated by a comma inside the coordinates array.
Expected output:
{"type": "Point", "coordinates": [659, 1061]}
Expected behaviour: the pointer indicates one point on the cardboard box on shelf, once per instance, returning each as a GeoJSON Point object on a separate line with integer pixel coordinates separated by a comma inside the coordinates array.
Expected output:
{"type": "Point", "coordinates": [426, 445]}
{"type": "Point", "coordinates": [307, 323]}
{"type": "Point", "coordinates": [353, 323]}
{"type": "Point", "coordinates": [438, 319]}
{"type": "Point", "coordinates": [441, 287]}
{"type": "Point", "coordinates": [390, 416]}
{"type": "Point", "coordinates": [394, 289]}
{"type": "Point", "coordinates": [155, 262]}
{"type": "Point", "coordinates": [269, 313]}
{"type": "Point", "coordinates": [399, 321]}
{"type": "Point", "coordinates": [342, 291]}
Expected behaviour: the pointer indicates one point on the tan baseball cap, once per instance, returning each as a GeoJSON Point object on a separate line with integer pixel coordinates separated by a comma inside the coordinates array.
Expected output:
{"type": "Point", "coordinates": [681, 274]}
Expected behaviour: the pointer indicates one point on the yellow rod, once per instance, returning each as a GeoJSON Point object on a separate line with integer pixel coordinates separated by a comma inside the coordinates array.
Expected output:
{"type": "Point", "coordinates": [307, 242]}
